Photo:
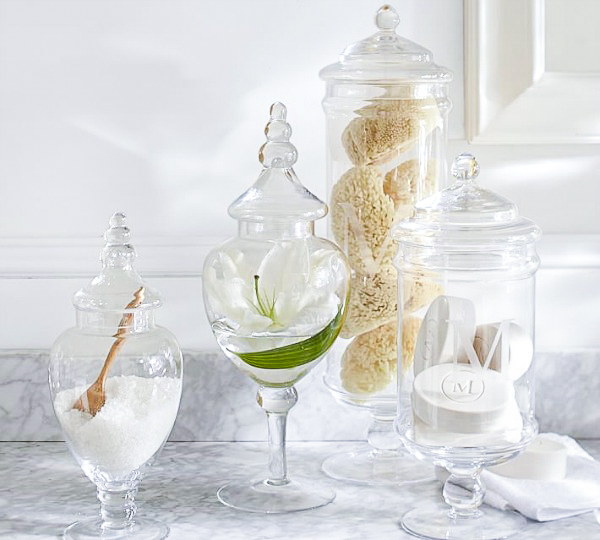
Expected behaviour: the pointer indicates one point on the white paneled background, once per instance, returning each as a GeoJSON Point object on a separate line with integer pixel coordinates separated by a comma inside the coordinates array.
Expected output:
{"type": "Point", "coordinates": [156, 108]}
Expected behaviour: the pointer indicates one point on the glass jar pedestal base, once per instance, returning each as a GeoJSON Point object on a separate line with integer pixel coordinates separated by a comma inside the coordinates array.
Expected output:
{"type": "Point", "coordinates": [142, 529]}
{"type": "Point", "coordinates": [377, 467]}
{"type": "Point", "coordinates": [276, 494]}
{"type": "Point", "coordinates": [383, 462]}
{"type": "Point", "coordinates": [267, 498]}
{"type": "Point", "coordinates": [435, 521]}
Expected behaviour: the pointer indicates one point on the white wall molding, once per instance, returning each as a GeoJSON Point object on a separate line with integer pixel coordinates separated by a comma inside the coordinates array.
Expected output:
{"type": "Point", "coordinates": [511, 96]}
{"type": "Point", "coordinates": [180, 257]}
{"type": "Point", "coordinates": [79, 257]}
{"type": "Point", "coordinates": [38, 278]}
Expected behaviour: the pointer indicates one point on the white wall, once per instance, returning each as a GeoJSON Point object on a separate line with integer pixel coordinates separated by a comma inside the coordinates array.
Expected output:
{"type": "Point", "coordinates": [156, 108]}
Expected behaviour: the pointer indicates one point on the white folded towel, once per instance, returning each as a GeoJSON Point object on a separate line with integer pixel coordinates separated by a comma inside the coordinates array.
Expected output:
{"type": "Point", "coordinates": [545, 500]}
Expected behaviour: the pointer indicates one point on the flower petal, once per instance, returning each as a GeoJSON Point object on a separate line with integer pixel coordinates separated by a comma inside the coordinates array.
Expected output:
{"type": "Point", "coordinates": [285, 266]}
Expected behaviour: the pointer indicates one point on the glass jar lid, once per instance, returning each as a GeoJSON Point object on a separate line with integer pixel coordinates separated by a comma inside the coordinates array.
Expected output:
{"type": "Point", "coordinates": [277, 193]}
{"type": "Point", "coordinates": [465, 215]}
{"type": "Point", "coordinates": [385, 56]}
{"type": "Point", "coordinates": [118, 287]}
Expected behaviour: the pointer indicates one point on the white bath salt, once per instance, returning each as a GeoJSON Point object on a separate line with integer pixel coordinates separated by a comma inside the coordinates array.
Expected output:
{"type": "Point", "coordinates": [135, 420]}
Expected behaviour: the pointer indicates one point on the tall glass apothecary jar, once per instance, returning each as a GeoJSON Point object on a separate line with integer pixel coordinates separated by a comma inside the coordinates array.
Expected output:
{"type": "Point", "coordinates": [466, 392]}
{"type": "Point", "coordinates": [386, 108]}
{"type": "Point", "coordinates": [276, 297]}
{"type": "Point", "coordinates": [115, 382]}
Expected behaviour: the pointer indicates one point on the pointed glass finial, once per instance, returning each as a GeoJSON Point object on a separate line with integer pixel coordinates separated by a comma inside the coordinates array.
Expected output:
{"type": "Point", "coordinates": [115, 286]}
{"type": "Point", "coordinates": [465, 167]}
{"type": "Point", "coordinates": [118, 251]}
{"type": "Point", "coordinates": [277, 193]}
{"type": "Point", "coordinates": [278, 151]}
{"type": "Point", "coordinates": [387, 18]}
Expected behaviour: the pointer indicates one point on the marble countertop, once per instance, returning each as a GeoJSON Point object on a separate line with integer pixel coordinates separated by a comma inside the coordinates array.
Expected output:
{"type": "Point", "coordinates": [42, 490]}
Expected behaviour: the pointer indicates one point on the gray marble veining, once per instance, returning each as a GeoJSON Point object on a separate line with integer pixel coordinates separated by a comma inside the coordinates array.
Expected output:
{"type": "Point", "coordinates": [218, 402]}
{"type": "Point", "coordinates": [25, 409]}
{"type": "Point", "coordinates": [42, 490]}
{"type": "Point", "coordinates": [567, 390]}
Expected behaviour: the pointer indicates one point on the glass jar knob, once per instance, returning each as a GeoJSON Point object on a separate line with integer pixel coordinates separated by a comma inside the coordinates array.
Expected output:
{"type": "Point", "coordinates": [118, 251]}
{"type": "Point", "coordinates": [465, 167]}
{"type": "Point", "coordinates": [278, 152]}
{"type": "Point", "coordinates": [387, 18]}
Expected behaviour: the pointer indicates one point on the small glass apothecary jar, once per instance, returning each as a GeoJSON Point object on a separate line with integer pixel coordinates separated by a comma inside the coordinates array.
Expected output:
{"type": "Point", "coordinates": [386, 108]}
{"type": "Point", "coordinates": [466, 393]}
{"type": "Point", "coordinates": [115, 382]}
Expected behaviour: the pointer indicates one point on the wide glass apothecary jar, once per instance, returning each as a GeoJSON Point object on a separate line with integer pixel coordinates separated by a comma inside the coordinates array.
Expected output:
{"type": "Point", "coordinates": [466, 390]}
{"type": "Point", "coordinates": [115, 382]}
{"type": "Point", "coordinates": [386, 108]}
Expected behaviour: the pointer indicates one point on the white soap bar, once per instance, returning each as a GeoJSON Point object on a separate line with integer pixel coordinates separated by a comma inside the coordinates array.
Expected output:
{"type": "Point", "coordinates": [513, 351]}
{"type": "Point", "coordinates": [462, 399]}
{"type": "Point", "coordinates": [543, 459]}
{"type": "Point", "coordinates": [508, 434]}
{"type": "Point", "coordinates": [449, 322]}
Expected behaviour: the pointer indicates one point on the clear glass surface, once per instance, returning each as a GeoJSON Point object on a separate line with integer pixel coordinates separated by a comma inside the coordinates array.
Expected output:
{"type": "Point", "coordinates": [263, 497]}
{"type": "Point", "coordinates": [386, 57]}
{"type": "Point", "coordinates": [115, 383]}
{"type": "Point", "coordinates": [383, 461]}
{"type": "Point", "coordinates": [466, 400]}
{"type": "Point", "coordinates": [386, 108]}
{"type": "Point", "coordinates": [275, 494]}
{"type": "Point", "coordinates": [436, 521]}
{"type": "Point", "coordinates": [142, 529]}
{"type": "Point", "coordinates": [276, 298]}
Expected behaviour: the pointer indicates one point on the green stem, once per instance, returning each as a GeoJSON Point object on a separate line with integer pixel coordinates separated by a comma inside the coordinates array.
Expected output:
{"type": "Point", "coordinates": [264, 308]}
{"type": "Point", "coordinates": [261, 308]}
{"type": "Point", "coordinates": [299, 353]}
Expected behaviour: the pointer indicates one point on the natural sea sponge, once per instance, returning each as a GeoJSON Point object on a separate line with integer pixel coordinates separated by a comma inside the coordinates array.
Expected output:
{"type": "Point", "coordinates": [373, 299]}
{"type": "Point", "coordinates": [369, 363]}
{"type": "Point", "coordinates": [407, 184]}
{"type": "Point", "coordinates": [361, 217]}
{"type": "Point", "coordinates": [388, 127]}
{"type": "Point", "coordinates": [419, 291]}
{"type": "Point", "coordinates": [410, 332]}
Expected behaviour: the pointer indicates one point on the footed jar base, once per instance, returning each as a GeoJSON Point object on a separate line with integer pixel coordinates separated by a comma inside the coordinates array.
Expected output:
{"type": "Point", "coordinates": [378, 468]}
{"type": "Point", "coordinates": [146, 529]}
{"type": "Point", "coordinates": [435, 521]}
{"type": "Point", "coordinates": [264, 497]}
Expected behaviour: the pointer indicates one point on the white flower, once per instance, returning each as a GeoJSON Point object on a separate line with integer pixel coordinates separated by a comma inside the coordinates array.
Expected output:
{"type": "Point", "coordinates": [290, 288]}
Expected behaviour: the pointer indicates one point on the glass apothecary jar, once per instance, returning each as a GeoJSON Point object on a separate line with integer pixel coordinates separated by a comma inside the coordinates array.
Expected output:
{"type": "Point", "coordinates": [115, 382]}
{"type": "Point", "coordinates": [386, 108]}
{"type": "Point", "coordinates": [276, 297]}
{"type": "Point", "coordinates": [466, 390]}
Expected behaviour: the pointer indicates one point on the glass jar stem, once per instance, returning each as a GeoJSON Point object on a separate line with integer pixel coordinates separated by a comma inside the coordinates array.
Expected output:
{"type": "Point", "coordinates": [276, 402]}
{"type": "Point", "coordinates": [464, 492]}
{"type": "Point", "coordinates": [117, 508]}
{"type": "Point", "coordinates": [382, 437]}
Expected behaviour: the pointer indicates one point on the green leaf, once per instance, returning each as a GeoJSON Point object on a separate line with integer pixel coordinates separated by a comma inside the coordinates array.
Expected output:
{"type": "Point", "coordinates": [300, 353]}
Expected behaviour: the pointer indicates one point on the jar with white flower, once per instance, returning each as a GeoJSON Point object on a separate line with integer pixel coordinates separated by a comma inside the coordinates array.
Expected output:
{"type": "Point", "coordinates": [276, 298]}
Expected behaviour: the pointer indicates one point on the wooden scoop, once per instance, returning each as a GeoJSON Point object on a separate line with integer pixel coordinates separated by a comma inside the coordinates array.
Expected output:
{"type": "Point", "coordinates": [95, 396]}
